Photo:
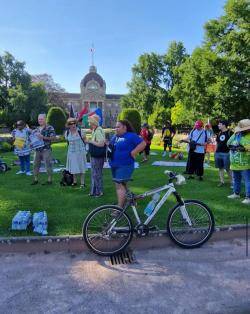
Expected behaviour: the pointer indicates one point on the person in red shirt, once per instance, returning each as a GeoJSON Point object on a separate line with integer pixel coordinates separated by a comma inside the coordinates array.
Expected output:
{"type": "Point", "coordinates": [147, 136]}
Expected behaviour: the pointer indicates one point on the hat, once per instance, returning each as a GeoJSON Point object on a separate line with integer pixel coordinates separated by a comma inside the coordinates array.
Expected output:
{"type": "Point", "coordinates": [198, 124]}
{"type": "Point", "coordinates": [70, 121]}
{"type": "Point", "coordinates": [243, 125]}
{"type": "Point", "coordinates": [94, 119]}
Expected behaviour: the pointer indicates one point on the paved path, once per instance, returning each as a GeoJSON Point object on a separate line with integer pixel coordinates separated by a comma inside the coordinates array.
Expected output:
{"type": "Point", "coordinates": [212, 279]}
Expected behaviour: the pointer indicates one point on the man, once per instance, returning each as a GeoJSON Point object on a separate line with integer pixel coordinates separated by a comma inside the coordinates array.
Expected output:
{"type": "Point", "coordinates": [167, 135]}
{"type": "Point", "coordinates": [46, 133]}
{"type": "Point", "coordinates": [222, 158]}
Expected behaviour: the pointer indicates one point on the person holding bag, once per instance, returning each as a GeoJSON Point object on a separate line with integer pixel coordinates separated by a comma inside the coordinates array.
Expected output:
{"type": "Point", "coordinates": [97, 149]}
{"type": "Point", "coordinates": [197, 140]}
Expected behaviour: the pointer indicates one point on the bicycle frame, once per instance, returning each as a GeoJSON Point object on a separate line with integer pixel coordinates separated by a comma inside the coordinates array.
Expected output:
{"type": "Point", "coordinates": [170, 190]}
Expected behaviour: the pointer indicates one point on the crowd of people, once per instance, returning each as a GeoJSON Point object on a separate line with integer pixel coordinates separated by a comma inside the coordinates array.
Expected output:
{"type": "Point", "coordinates": [231, 152]}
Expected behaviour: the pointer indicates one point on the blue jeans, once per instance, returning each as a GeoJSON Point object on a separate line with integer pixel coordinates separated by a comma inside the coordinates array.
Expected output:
{"type": "Point", "coordinates": [25, 163]}
{"type": "Point", "coordinates": [237, 175]}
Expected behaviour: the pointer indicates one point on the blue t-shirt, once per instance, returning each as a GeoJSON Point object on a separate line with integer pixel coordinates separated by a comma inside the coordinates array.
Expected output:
{"type": "Point", "coordinates": [124, 144]}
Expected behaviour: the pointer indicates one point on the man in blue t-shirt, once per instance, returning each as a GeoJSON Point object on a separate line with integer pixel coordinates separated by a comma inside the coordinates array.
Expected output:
{"type": "Point", "coordinates": [125, 146]}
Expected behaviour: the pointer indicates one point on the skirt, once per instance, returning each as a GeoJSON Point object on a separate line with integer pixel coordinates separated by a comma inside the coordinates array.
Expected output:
{"type": "Point", "coordinates": [76, 163]}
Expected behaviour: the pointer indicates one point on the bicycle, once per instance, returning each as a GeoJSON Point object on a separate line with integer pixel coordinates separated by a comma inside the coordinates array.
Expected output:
{"type": "Point", "coordinates": [108, 229]}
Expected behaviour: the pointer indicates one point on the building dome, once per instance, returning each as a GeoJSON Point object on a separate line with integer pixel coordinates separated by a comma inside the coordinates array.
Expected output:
{"type": "Point", "coordinates": [92, 76]}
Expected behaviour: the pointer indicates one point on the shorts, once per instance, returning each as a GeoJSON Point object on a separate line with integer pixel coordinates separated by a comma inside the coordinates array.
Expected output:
{"type": "Point", "coordinates": [122, 173]}
{"type": "Point", "coordinates": [222, 161]}
{"type": "Point", "coordinates": [167, 141]}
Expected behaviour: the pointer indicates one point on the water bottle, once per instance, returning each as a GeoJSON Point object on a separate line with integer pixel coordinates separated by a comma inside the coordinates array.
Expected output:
{"type": "Point", "coordinates": [151, 205]}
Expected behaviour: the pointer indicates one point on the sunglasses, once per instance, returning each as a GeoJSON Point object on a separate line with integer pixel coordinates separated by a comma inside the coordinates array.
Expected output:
{"type": "Point", "coordinates": [72, 123]}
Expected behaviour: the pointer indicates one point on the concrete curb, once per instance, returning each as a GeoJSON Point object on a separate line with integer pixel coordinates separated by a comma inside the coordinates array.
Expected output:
{"type": "Point", "coordinates": [75, 243]}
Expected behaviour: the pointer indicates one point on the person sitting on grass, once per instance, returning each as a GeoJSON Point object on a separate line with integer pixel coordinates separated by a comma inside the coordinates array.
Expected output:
{"type": "Point", "coordinates": [239, 145]}
{"type": "Point", "coordinates": [46, 133]}
{"type": "Point", "coordinates": [22, 147]}
{"type": "Point", "coordinates": [126, 145]}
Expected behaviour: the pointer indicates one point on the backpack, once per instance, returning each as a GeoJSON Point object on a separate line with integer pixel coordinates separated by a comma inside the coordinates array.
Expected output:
{"type": "Point", "coordinates": [67, 178]}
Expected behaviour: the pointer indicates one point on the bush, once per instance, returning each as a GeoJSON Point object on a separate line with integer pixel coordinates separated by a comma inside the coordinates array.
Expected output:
{"type": "Point", "coordinates": [5, 147]}
{"type": "Point", "coordinates": [133, 116]}
{"type": "Point", "coordinates": [57, 118]}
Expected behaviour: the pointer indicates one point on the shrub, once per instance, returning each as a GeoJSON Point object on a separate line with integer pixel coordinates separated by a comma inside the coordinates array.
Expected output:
{"type": "Point", "coordinates": [5, 147]}
{"type": "Point", "coordinates": [133, 116]}
{"type": "Point", "coordinates": [57, 118]}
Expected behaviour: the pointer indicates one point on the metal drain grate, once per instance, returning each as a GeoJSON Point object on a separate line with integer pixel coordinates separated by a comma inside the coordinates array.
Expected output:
{"type": "Point", "coordinates": [125, 257]}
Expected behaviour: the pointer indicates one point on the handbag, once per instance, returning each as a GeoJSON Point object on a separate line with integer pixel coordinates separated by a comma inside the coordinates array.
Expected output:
{"type": "Point", "coordinates": [97, 151]}
{"type": "Point", "coordinates": [193, 144]}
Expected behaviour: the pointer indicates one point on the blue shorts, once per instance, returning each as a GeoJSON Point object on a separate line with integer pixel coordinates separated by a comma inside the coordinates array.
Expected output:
{"type": "Point", "coordinates": [222, 161]}
{"type": "Point", "coordinates": [122, 173]}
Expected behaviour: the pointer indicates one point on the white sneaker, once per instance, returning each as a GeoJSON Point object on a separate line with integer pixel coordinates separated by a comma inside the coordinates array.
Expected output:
{"type": "Point", "coordinates": [246, 201]}
{"type": "Point", "coordinates": [28, 173]}
{"type": "Point", "coordinates": [20, 172]}
{"type": "Point", "coordinates": [233, 196]}
{"type": "Point", "coordinates": [164, 154]}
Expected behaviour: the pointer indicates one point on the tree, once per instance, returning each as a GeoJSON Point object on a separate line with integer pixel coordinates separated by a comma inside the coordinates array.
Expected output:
{"type": "Point", "coordinates": [133, 116]}
{"type": "Point", "coordinates": [57, 118]}
{"type": "Point", "coordinates": [215, 79]}
{"type": "Point", "coordinates": [159, 117]}
{"type": "Point", "coordinates": [180, 115]}
{"type": "Point", "coordinates": [55, 91]}
{"type": "Point", "coordinates": [20, 99]}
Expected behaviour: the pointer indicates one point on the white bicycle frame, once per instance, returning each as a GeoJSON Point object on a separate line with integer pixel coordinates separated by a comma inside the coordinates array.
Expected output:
{"type": "Point", "coordinates": [170, 189]}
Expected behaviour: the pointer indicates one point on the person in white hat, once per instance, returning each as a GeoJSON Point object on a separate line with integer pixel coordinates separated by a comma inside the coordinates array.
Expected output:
{"type": "Point", "coordinates": [239, 145]}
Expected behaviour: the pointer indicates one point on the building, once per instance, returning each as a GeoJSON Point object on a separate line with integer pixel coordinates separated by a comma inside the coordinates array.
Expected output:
{"type": "Point", "coordinates": [93, 95]}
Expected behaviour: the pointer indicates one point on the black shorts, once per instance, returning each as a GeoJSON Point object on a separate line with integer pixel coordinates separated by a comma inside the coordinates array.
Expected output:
{"type": "Point", "coordinates": [167, 141]}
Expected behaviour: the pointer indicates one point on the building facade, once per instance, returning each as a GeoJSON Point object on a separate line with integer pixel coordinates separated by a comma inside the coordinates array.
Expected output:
{"type": "Point", "coordinates": [93, 95]}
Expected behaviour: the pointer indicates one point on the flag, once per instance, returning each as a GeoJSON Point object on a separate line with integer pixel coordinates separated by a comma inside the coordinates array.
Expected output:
{"type": "Point", "coordinates": [83, 111]}
{"type": "Point", "coordinates": [72, 112]}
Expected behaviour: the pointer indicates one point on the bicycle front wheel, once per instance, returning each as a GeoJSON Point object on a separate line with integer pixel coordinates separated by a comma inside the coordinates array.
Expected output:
{"type": "Point", "coordinates": [191, 225]}
{"type": "Point", "coordinates": [107, 230]}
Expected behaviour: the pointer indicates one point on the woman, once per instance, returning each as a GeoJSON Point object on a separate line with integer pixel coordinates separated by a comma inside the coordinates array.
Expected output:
{"type": "Point", "coordinates": [126, 145]}
{"type": "Point", "coordinates": [147, 137]}
{"type": "Point", "coordinates": [97, 139]}
{"type": "Point", "coordinates": [239, 145]}
{"type": "Point", "coordinates": [76, 156]}
{"type": "Point", "coordinates": [22, 147]}
{"type": "Point", "coordinates": [197, 140]}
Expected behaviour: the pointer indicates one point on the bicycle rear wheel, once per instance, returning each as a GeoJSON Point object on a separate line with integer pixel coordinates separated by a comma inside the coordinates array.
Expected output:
{"type": "Point", "coordinates": [192, 225]}
{"type": "Point", "coordinates": [107, 230]}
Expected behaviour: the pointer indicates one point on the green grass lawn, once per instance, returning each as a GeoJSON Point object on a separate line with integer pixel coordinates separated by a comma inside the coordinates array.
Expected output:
{"type": "Point", "coordinates": [67, 207]}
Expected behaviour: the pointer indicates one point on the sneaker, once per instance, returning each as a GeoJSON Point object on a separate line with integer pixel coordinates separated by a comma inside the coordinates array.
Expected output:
{"type": "Point", "coordinates": [28, 173]}
{"type": "Point", "coordinates": [20, 172]}
{"type": "Point", "coordinates": [164, 154]}
{"type": "Point", "coordinates": [233, 196]}
{"type": "Point", "coordinates": [246, 201]}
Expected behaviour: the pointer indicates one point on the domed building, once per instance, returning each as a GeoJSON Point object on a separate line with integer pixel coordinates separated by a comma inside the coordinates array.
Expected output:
{"type": "Point", "coordinates": [93, 95]}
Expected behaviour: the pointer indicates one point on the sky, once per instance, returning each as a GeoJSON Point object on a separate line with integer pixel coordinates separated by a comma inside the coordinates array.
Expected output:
{"type": "Point", "coordinates": [55, 36]}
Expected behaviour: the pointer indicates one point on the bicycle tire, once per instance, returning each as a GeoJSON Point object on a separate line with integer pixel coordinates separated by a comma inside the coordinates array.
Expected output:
{"type": "Point", "coordinates": [119, 214]}
{"type": "Point", "coordinates": [190, 237]}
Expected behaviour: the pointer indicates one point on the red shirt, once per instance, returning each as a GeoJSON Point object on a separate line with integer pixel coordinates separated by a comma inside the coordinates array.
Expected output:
{"type": "Point", "coordinates": [144, 135]}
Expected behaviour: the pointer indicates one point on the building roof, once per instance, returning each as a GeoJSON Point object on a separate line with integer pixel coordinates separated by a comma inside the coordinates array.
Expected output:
{"type": "Point", "coordinates": [92, 76]}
